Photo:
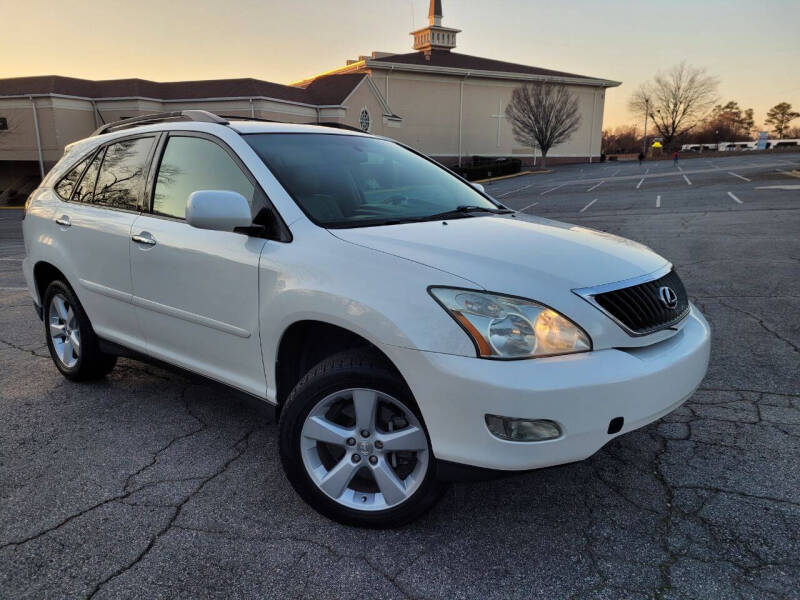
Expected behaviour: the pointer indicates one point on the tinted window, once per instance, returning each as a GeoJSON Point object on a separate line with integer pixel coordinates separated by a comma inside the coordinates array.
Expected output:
{"type": "Point", "coordinates": [66, 185]}
{"type": "Point", "coordinates": [85, 190]}
{"type": "Point", "coordinates": [346, 181]}
{"type": "Point", "coordinates": [122, 174]}
{"type": "Point", "coordinates": [190, 164]}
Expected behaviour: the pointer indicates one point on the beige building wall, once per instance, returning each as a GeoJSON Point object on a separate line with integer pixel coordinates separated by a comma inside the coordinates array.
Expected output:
{"type": "Point", "coordinates": [66, 120]}
{"type": "Point", "coordinates": [434, 111]}
{"type": "Point", "coordinates": [428, 106]}
{"type": "Point", "coordinates": [364, 97]}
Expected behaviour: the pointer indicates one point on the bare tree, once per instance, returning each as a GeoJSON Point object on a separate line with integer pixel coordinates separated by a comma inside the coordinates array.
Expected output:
{"type": "Point", "coordinates": [779, 117]}
{"type": "Point", "coordinates": [675, 100]}
{"type": "Point", "coordinates": [543, 115]}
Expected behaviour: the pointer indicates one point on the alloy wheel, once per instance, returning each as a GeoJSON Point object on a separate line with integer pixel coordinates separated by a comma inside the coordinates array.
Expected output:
{"type": "Point", "coordinates": [64, 331]}
{"type": "Point", "coordinates": [364, 449]}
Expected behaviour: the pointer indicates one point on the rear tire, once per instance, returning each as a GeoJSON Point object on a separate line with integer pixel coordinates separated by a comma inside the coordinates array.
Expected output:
{"type": "Point", "coordinates": [71, 340]}
{"type": "Point", "coordinates": [373, 466]}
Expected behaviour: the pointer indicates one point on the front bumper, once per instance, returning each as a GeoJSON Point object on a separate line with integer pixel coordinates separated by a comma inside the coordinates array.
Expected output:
{"type": "Point", "coordinates": [581, 392]}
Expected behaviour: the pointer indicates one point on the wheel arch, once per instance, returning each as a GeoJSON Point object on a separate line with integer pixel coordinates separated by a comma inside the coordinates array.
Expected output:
{"type": "Point", "coordinates": [304, 343]}
{"type": "Point", "coordinates": [44, 273]}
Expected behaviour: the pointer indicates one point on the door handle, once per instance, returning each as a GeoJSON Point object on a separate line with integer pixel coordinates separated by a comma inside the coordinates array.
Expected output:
{"type": "Point", "coordinates": [64, 221]}
{"type": "Point", "coordinates": [143, 239]}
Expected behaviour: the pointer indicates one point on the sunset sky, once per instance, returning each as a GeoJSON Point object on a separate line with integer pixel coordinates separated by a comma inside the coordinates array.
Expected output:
{"type": "Point", "coordinates": [752, 46]}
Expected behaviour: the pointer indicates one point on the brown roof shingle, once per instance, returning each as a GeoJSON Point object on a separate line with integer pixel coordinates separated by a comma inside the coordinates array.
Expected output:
{"type": "Point", "coordinates": [332, 89]}
{"type": "Point", "coordinates": [453, 60]}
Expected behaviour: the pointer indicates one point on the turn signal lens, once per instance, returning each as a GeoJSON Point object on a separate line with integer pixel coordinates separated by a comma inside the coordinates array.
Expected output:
{"type": "Point", "coordinates": [507, 327]}
{"type": "Point", "coordinates": [522, 430]}
{"type": "Point", "coordinates": [555, 334]}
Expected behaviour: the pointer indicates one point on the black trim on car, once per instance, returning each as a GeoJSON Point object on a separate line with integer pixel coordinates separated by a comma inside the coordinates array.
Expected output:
{"type": "Point", "coordinates": [113, 348]}
{"type": "Point", "coordinates": [458, 472]}
{"type": "Point", "coordinates": [589, 294]}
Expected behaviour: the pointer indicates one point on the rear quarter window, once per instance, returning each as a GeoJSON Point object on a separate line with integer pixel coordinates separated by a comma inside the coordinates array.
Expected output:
{"type": "Point", "coordinates": [65, 187]}
{"type": "Point", "coordinates": [122, 174]}
{"type": "Point", "coordinates": [85, 190]}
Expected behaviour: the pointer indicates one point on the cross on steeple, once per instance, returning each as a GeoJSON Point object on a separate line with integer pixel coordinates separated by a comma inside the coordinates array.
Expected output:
{"type": "Point", "coordinates": [434, 36]}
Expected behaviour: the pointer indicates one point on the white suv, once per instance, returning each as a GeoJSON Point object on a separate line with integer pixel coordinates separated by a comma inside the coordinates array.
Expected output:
{"type": "Point", "coordinates": [409, 329]}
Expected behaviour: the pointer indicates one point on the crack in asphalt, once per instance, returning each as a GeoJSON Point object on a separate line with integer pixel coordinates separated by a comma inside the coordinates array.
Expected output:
{"type": "Point", "coordinates": [764, 326]}
{"type": "Point", "coordinates": [244, 443]}
{"type": "Point", "coordinates": [22, 349]}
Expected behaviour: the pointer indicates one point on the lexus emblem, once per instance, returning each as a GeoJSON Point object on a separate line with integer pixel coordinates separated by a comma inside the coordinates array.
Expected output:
{"type": "Point", "coordinates": [668, 296]}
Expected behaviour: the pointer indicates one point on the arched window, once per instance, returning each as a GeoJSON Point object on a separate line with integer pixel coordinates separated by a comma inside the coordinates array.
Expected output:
{"type": "Point", "coordinates": [364, 120]}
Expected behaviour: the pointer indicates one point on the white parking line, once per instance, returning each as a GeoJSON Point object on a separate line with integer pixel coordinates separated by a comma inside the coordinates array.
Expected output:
{"type": "Point", "coordinates": [12, 259]}
{"type": "Point", "coordinates": [687, 180]}
{"type": "Point", "coordinates": [734, 197]}
{"type": "Point", "coordinates": [596, 185]}
{"type": "Point", "coordinates": [527, 207]}
{"type": "Point", "coordinates": [552, 189]}
{"type": "Point", "coordinates": [658, 201]}
{"type": "Point", "coordinates": [647, 170]}
{"type": "Point", "coordinates": [739, 176]}
{"type": "Point", "coordinates": [679, 168]}
{"type": "Point", "coordinates": [12, 289]}
{"type": "Point", "coordinates": [615, 172]}
{"type": "Point", "coordinates": [588, 205]}
{"type": "Point", "coordinates": [525, 187]}
{"type": "Point", "coordinates": [638, 185]}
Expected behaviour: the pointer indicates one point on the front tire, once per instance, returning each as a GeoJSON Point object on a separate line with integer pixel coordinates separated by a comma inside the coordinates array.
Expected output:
{"type": "Point", "coordinates": [70, 338]}
{"type": "Point", "coordinates": [353, 444]}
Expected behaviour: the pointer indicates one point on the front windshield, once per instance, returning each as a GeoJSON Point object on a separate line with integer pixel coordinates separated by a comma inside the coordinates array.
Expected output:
{"type": "Point", "coordinates": [352, 181]}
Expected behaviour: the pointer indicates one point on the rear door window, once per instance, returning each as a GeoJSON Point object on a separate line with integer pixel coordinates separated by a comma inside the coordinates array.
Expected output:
{"type": "Point", "coordinates": [122, 174]}
{"type": "Point", "coordinates": [85, 191]}
{"type": "Point", "coordinates": [70, 180]}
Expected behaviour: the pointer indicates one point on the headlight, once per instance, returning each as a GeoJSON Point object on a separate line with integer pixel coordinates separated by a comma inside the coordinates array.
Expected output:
{"type": "Point", "coordinates": [506, 327]}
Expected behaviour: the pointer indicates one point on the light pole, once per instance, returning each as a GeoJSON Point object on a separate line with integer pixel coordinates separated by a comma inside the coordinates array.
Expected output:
{"type": "Point", "coordinates": [644, 139]}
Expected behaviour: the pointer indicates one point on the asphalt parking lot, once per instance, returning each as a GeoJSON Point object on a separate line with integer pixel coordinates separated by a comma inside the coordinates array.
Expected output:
{"type": "Point", "coordinates": [155, 485]}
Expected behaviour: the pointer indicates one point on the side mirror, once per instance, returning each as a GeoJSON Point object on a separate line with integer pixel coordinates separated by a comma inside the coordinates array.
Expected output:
{"type": "Point", "coordinates": [218, 210]}
{"type": "Point", "coordinates": [479, 187]}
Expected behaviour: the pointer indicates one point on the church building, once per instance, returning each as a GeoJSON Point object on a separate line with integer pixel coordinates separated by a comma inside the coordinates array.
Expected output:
{"type": "Point", "coordinates": [448, 105]}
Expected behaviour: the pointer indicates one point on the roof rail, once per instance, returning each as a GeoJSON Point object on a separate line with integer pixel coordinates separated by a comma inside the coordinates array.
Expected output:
{"type": "Point", "coordinates": [334, 125]}
{"type": "Point", "coordinates": [202, 116]}
{"type": "Point", "coordinates": [331, 124]}
{"type": "Point", "coordinates": [243, 118]}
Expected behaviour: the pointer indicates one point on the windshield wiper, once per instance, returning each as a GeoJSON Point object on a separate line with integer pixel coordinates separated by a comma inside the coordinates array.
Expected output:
{"type": "Point", "coordinates": [467, 209]}
{"type": "Point", "coordinates": [457, 212]}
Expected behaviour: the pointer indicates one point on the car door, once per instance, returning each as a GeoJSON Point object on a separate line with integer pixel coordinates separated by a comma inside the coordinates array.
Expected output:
{"type": "Point", "coordinates": [195, 290]}
{"type": "Point", "coordinates": [94, 228]}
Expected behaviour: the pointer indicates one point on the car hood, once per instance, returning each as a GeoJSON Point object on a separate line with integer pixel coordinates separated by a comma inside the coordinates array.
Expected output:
{"type": "Point", "coordinates": [520, 255]}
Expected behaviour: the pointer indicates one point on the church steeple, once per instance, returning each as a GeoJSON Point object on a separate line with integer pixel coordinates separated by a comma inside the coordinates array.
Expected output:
{"type": "Point", "coordinates": [435, 13]}
{"type": "Point", "coordinates": [434, 36]}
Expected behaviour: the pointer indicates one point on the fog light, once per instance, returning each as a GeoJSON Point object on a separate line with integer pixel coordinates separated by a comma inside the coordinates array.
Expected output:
{"type": "Point", "coordinates": [522, 430]}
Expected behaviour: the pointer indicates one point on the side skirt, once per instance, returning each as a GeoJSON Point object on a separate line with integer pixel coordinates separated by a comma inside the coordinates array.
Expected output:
{"type": "Point", "coordinates": [108, 347]}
